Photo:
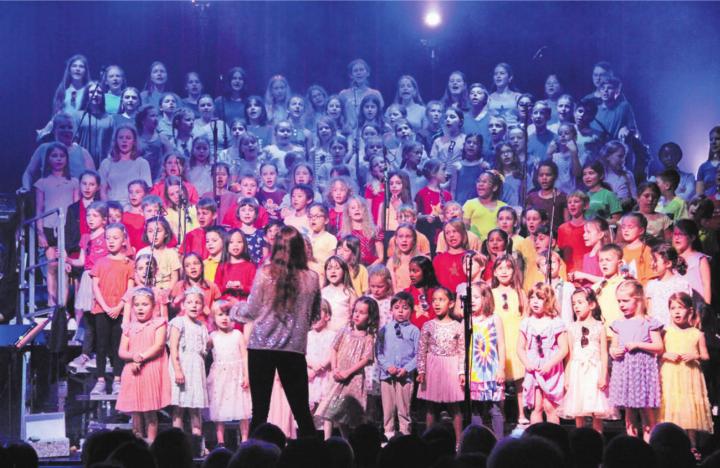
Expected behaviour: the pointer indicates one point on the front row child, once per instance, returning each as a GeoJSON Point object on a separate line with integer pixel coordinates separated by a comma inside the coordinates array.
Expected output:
{"type": "Point", "coordinates": [441, 362]}
{"type": "Point", "coordinates": [145, 385]}
{"type": "Point", "coordinates": [188, 345]}
{"type": "Point", "coordinates": [684, 395]}
{"type": "Point", "coordinates": [487, 362]}
{"type": "Point", "coordinates": [636, 344]}
{"type": "Point", "coordinates": [319, 348]}
{"type": "Point", "coordinates": [345, 402]}
{"type": "Point", "coordinates": [542, 346]}
{"type": "Point", "coordinates": [396, 351]}
{"type": "Point", "coordinates": [586, 375]}
{"type": "Point", "coordinates": [228, 381]}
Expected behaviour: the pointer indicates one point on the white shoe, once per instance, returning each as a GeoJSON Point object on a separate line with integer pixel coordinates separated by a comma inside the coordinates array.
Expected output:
{"type": "Point", "coordinates": [115, 387]}
{"type": "Point", "coordinates": [99, 388]}
{"type": "Point", "coordinates": [79, 364]}
{"type": "Point", "coordinates": [92, 363]}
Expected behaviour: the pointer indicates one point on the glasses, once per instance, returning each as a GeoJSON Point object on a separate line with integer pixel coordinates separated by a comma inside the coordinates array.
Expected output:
{"type": "Point", "coordinates": [505, 301]}
{"type": "Point", "coordinates": [316, 216]}
{"type": "Point", "coordinates": [538, 342]}
{"type": "Point", "coordinates": [584, 339]}
{"type": "Point", "coordinates": [398, 331]}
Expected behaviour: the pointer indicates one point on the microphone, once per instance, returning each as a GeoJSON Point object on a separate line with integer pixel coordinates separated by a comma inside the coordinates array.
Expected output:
{"type": "Point", "coordinates": [451, 147]}
{"type": "Point", "coordinates": [539, 54]}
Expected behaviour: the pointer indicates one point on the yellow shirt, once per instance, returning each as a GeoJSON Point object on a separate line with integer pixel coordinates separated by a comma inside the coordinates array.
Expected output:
{"type": "Point", "coordinates": [360, 281]}
{"type": "Point", "coordinates": [607, 300]}
{"type": "Point", "coordinates": [210, 267]}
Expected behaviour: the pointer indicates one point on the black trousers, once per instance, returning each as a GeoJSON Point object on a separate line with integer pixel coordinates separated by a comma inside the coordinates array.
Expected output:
{"type": "Point", "coordinates": [107, 339]}
{"type": "Point", "coordinates": [292, 369]}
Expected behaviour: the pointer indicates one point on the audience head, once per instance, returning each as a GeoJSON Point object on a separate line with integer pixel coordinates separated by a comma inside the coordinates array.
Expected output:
{"type": "Point", "coordinates": [586, 445]}
{"type": "Point", "coordinates": [477, 438]}
{"type": "Point", "coordinates": [172, 449]}
{"type": "Point", "coordinates": [99, 445]}
{"type": "Point", "coordinates": [628, 452]}
{"type": "Point", "coordinates": [255, 454]}
{"type": "Point", "coordinates": [270, 433]}
{"type": "Point", "coordinates": [407, 451]}
{"type": "Point", "coordinates": [530, 451]}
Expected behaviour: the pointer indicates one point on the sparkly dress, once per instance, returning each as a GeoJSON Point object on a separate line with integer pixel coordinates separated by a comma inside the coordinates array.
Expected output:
{"type": "Point", "coordinates": [583, 397]}
{"type": "Point", "coordinates": [484, 361]}
{"type": "Point", "coordinates": [541, 338]}
{"type": "Point", "coordinates": [345, 402]}
{"type": "Point", "coordinates": [149, 389]}
{"type": "Point", "coordinates": [684, 395]}
{"type": "Point", "coordinates": [229, 401]}
{"type": "Point", "coordinates": [192, 349]}
{"type": "Point", "coordinates": [635, 380]}
{"type": "Point", "coordinates": [441, 359]}
{"type": "Point", "coordinates": [510, 316]}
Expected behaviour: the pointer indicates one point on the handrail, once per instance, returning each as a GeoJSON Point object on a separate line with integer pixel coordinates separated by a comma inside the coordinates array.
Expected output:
{"type": "Point", "coordinates": [41, 216]}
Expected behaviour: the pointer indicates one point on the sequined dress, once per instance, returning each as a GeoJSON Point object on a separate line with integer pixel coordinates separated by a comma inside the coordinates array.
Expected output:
{"type": "Point", "coordinates": [440, 358]}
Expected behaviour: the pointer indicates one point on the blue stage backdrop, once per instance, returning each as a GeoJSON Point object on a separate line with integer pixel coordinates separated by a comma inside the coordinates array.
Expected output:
{"type": "Point", "coordinates": [664, 52]}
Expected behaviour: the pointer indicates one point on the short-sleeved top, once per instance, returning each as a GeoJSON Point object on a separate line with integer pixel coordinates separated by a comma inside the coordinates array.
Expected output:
{"type": "Point", "coordinates": [636, 329]}
{"type": "Point", "coordinates": [571, 244]}
{"type": "Point", "coordinates": [546, 204]}
{"type": "Point", "coordinates": [58, 194]}
{"type": "Point", "coordinates": [113, 276]}
{"type": "Point", "coordinates": [118, 174]}
{"type": "Point", "coordinates": [482, 219]}
{"type": "Point", "coordinates": [95, 248]}
{"type": "Point", "coordinates": [430, 201]}
{"type": "Point", "coordinates": [602, 200]}
{"type": "Point", "coordinates": [167, 260]}
{"type": "Point", "coordinates": [707, 174]}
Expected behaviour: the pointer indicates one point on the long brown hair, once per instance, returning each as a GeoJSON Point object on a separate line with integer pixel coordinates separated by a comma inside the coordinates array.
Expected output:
{"type": "Point", "coordinates": [287, 259]}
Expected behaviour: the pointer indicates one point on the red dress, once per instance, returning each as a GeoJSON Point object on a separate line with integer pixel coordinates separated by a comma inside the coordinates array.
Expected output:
{"type": "Point", "coordinates": [335, 220]}
{"type": "Point", "coordinates": [449, 269]}
{"type": "Point", "coordinates": [368, 253]}
{"type": "Point", "coordinates": [422, 312]}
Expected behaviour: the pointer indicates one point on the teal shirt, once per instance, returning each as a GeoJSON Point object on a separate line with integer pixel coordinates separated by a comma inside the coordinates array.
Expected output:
{"type": "Point", "coordinates": [603, 200]}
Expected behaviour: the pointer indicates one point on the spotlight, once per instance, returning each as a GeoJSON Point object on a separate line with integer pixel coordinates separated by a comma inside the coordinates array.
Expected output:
{"type": "Point", "coordinates": [433, 18]}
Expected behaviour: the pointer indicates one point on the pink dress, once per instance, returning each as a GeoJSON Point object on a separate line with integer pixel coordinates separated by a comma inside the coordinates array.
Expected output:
{"type": "Point", "coordinates": [148, 390]}
{"type": "Point", "coordinates": [229, 401]}
{"type": "Point", "coordinates": [541, 336]}
{"type": "Point", "coordinates": [441, 359]}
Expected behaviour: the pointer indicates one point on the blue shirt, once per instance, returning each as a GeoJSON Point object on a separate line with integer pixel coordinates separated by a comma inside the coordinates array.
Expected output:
{"type": "Point", "coordinates": [397, 346]}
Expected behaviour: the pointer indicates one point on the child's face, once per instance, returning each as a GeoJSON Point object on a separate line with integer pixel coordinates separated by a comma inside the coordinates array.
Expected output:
{"type": "Point", "coordinates": [249, 147]}
{"type": "Point", "coordinates": [254, 111]}
{"type": "Point", "coordinates": [415, 273]}
{"type": "Point", "coordinates": [142, 306]}
{"type": "Point", "coordinates": [302, 175]}
{"type": "Point", "coordinates": [476, 300]}
{"type": "Point", "coordinates": [517, 140]}
{"type": "Point", "coordinates": [88, 187]}
{"type": "Point", "coordinates": [337, 152]}
{"type": "Point", "coordinates": [680, 241]}
{"type": "Point", "coordinates": [318, 220]}
{"type": "Point", "coordinates": [378, 287]}
{"type": "Point", "coordinates": [591, 234]}
{"type": "Point", "coordinates": [114, 239]}
{"type": "Point", "coordinates": [321, 322]}
{"type": "Point", "coordinates": [616, 159]}
{"type": "Point", "coordinates": [174, 192]}
{"type": "Point", "coordinates": [130, 100]}
{"type": "Point", "coordinates": [192, 267]}
{"type": "Point", "coordinates": [456, 84]}
{"type": "Point", "coordinates": [236, 246]}
{"type": "Point", "coordinates": [406, 89]}
{"type": "Point", "coordinates": [590, 177]}
{"type": "Point", "coordinates": [299, 199]}
{"type": "Point", "coordinates": [377, 168]}
{"type": "Point", "coordinates": [403, 131]}
{"type": "Point", "coordinates": [452, 211]}
{"type": "Point", "coordinates": [394, 114]}
{"type": "Point", "coordinates": [278, 90]}
{"type": "Point", "coordinates": [434, 113]}
{"type": "Point", "coordinates": [554, 267]}
{"type": "Point", "coordinates": [135, 195]}
{"type": "Point", "coordinates": [248, 187]}
{"type": "Point", "coordinates": [630, 229]}
{"type": "Point", "coordinates": [539, 116]}
{"type": "Point", "coordinates": [205, 217]}
{"type": "Point", "coordinates": [537, 305]}
{"type": "Point", "coordinates": [193, 305]}
{"type": "Point", "coordinates": [406, 216]}
{"type": "Point", "coordinates": [77, 70]}
{"type": "Point", "coordinates": [627, 303]}
{"type": "Point", "coordinates": [441, 303]}
{"type": "Point", "coordinates": [453, 237]}
{"type": "Point", "coordinates": [552, 86]}
{"type": "Point", "coordinates": [659, 264]}
{"type": "Point", "coordinates": [609, 263]}
{"type": "Point", "coordinates": [368, 132]}
{"type": "Point", "coordinates": [334, 108]}
{"type": "Point", "coordinates": [355, 210]}
{"type": "Point", "coordinates": [532, 220]}
{"type": "Point", "coordinates": [582, 116]}
{"type": "Point", "coordinates": [296, 107]}
{"type": "Point", "coordinates": [150, 211]}
{"type": "Point", "coordinates": [679, 313]}
{"type": "Point", "coordinates": [173, 166]}
{"type": "Point", "coordinates": [506, 222]}
{"type": "Point", "coordinates": [221, 177]}
{"type": "Point", "coordinates": [193, 85]}
{"type": "Point", "coordinates": [168, 104]}
{"type": "Point", "coordinates": [125, 140]}
{"type": "Point", "coordinates": [478, 97]}
{"type": "Point", "coordinates": [158, 74]}
{"type": "Point", "coordinates": [201, 151]}
{"type": "Point", "coordinates": [575, 207]}
{"type": "Point", "coordinates": [580, 306]}
{"type": "Point", "coordinates": [404, 240]}
{"type": "Point", "coordinates": [564, 110]}
{"type": "Point", "coordinates": [496, 244]}
{"type": "Point", "coordinates": [361, 315]}
{"type": "Point", "coordinates": [156, 231]}
{"type": "Point", "coordinates": [565, 134]}
{"type": "Point", "coordinates": [396, 185]}
{"type": "Point", "coordinates": [94, 220]}
{"type": "Point", "coordinates": [141, 268]}
{"type": "Point", "coordinates": [401, 311]}
{"type": "Point", "coordinates": [114, 215]}
{"type": "Point", "coordinates": [484, 187]}
{"type": "Point", "coordinates": [222, 319]}
{"type": "Point", "coordinates": [283, 132]}
{"type": "Point", "coordinates": [541, 242]}
{"type": "Point", "coordinates": [324, 131]}
{"type": "Point", "coordinates": [501, 77]}
{"type": "Point", "coordinates": [608, 92]}
{"type": "Point", "coordinates": [669, 157]}
{"type": "Point", "coordinates": [213, 243]}
{"type": "Point", "coordinates": [344, 252]}
{"type": "Point", "coordinates": [247, 215]}
{"type": "Point", "coordinates": [452, 120]}
{"type": "Point", "coordinates": [507, 156]}
{"type": "Point", "coordinates": [57, 160]}
{"type": "Point", "coordinates": [334, 273]}
{"type": "Point", "coordinates": [370, 110]}
{"type": "Point", "coordinates": [504, 273]}
{"type": "Point", "coordinates": [546, 178]}
{"type": "Point", "coordinates": [271, 233]}
{"type": "Point", "coordinates": [269, 176]}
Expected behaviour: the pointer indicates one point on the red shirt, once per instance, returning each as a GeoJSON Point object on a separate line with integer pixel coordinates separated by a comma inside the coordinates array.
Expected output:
{"type": "Point", "coordinates": [430, 202]}
{"type": "Point", "coordinates": [335, 220]}
{"type": "Point", "coordinates": [113, 277]}
{"type": "Point", "coordinates": [243, 272]}
{"type": "Point", "coordinates": [422, 312]}
{"type": "Point", "coordinates": [449, 269]}
{"type": "Point", "coordinates": [231, 220]}
{"type": "Point", "coordinates": [571, 245]}
{"type": "Point", "coordinates": [95, 249]}
{"type": "Point", "coordinates": [195, 242]}
{"type": "Point", "coordinates": [376, 199]}
{"type": "Point", "coordinates": [135, 226]}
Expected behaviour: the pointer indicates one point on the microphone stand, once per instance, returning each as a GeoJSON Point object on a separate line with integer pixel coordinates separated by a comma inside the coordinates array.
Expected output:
{"type": "Point", "coordinates": [386, 205]}
{"type": "Point", "coordinates": [356, 149]}
{"type": "Point", "coordinates": [152, 247]}
{"type": "Point", "coordinates": [523, 179]}
{"type": "Point", "coordinates": [548, 254]}
{"type": "Point", "coordinates": [467, 321]}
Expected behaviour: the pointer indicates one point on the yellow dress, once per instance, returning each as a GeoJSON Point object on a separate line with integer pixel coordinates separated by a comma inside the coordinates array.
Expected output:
{"type": "Point", "coordinates": [684, 396]}
{"type": "Point", "coordinates": [510, 316]}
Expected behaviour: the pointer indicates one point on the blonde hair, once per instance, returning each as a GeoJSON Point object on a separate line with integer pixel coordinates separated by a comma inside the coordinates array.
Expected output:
{"type": "Point", "coordinates": [368, 226]}
{"type": "Point", "coordinates": [637, 292]}
{"type": "Point", "coordinates": [383, 272]}
{"type": "Point", "coordinates": [488, 301]}
{"type": "Point", "coordinates": [547, 294]}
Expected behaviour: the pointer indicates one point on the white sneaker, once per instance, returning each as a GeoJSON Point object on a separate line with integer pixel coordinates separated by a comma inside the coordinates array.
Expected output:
{"type": "Point", "coordinates": [79, 364]}
{"type": "Point", "coordinates": [99, 388]}
{"type": "Point", "coordinates": [115, 387]}
{"type": "Point", "coordinates": [91, 364]}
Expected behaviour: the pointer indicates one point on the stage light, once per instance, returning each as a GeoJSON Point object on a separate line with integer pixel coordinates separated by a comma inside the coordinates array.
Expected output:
{"type": "Point", "coordinates": [433, 18]}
